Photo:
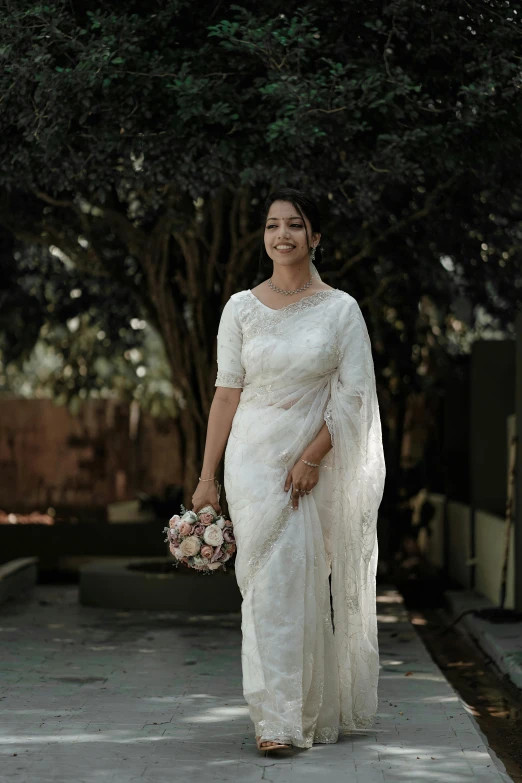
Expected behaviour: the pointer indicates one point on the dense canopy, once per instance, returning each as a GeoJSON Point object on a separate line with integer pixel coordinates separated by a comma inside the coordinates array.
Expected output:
{"type": "Point", "coordinates": [139, 141]}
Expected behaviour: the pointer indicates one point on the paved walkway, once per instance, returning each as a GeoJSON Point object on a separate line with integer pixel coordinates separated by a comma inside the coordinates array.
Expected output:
{"type": "Point", "coordinates": [95, 696]}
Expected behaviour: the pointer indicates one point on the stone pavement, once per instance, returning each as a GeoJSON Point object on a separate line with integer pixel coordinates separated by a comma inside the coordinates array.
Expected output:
{"type": "Point", "coordinates": [103, 696]}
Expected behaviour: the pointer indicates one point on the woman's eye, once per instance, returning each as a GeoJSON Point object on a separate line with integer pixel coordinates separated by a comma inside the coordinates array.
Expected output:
{"type": "Point", "coordinates": [293, 225]}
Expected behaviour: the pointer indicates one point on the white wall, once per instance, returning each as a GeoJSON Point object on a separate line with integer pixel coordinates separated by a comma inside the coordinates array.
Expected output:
{"type": "Point", "coordinates": [489, 549]}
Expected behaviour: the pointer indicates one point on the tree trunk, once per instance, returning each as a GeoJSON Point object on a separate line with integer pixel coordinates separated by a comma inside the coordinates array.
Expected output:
{"type": "Point", "coordinates": [196, 255]}
{"type": "Point", "coordinates": [189, 281]}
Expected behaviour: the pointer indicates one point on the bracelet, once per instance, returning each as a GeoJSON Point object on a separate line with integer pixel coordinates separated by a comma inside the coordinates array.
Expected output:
{"type": "Point", "coordinates": [210, 479]}
{"type": "Point", "coordinates": [313, 464]}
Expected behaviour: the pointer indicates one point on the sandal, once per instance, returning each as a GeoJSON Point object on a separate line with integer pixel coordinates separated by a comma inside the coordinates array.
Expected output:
{"type": "Point", "coordinates": [270, 745]}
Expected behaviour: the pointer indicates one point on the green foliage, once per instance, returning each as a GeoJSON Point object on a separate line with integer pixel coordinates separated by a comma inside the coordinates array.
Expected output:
{"type": "Point", "coordinates": [411, 91]}
{"type": "Point", "coordinates": [403, 118]}
{"type": "Point", "coordinates": [82, 338]}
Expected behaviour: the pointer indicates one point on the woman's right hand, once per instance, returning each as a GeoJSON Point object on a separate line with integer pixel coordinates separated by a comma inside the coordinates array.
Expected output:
{"type": "Point", "coordinates": [206, 495]}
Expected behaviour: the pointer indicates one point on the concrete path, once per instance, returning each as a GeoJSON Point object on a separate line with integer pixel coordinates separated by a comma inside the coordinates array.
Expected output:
{"type": "Point", "coordinates": [95, 696]}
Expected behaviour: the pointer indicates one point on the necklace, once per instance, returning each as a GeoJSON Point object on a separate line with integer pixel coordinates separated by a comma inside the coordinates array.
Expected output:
{"type": "Point", "coordinates": [282, 290]}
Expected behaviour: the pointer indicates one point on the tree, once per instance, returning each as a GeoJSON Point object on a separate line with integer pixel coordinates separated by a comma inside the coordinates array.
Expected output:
{"type": "Point", "coordinates": [72, 336]}
{"type": "Point", "coordinates": [140, 142]}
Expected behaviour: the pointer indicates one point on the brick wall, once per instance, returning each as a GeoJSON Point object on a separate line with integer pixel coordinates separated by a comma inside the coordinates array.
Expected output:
{"type": "Point", "coordinates": [49, 456]}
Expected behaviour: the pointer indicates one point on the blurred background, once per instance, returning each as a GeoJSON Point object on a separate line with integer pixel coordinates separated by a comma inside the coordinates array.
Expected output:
{"type": "Point", "coordinates": [138, 144]}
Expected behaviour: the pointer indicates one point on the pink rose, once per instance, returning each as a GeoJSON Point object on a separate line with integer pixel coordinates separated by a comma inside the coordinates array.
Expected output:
{"type": "Point", "coordinates": [199, 530]}
{"type": "Point", "coordinates": [228, 536]}
{"type": "Point", "coordinates": [206, 551]}
{"type": "Point", "coordinates": [228, 523]}
{"type": "Point", "coordinates": [174, 520]}
{"type": "Point", "coordinates": [206, 519]}
{"type": "Point", "coordinates": [217, 554]}
{"type": "Point", "coordinates": [185, 529]}
{"type": "Point", "coordinates": [176, 551]}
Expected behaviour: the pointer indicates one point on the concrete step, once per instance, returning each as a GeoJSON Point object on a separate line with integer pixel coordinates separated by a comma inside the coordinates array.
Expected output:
{"type": "Point", "coordinates": [16, 576]}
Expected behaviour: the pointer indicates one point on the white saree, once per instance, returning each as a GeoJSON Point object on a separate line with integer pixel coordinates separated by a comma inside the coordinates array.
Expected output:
{"type": "Point", "coordinates": [304, 678]}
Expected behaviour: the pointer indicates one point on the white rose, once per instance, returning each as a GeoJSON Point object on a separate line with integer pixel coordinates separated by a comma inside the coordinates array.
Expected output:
{"type": "Point", "coordinates": [220, 522]}
{"type": "Point", "coordinates": [213, 536]}
{"type": "Point", "coordinates": [208, 510]}
{"type": "Point", "coordinates": [214, 566]}
{"type": "Point", "coordinates": [189, 516]}
{"type": "Point", "coordinates": [178, 554]}
{"type": "Point", "coordinates": [190, 546]}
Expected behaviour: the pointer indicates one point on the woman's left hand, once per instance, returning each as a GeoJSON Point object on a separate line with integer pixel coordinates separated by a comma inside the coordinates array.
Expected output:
{"type": "Point", "coordinates": [302, 478]}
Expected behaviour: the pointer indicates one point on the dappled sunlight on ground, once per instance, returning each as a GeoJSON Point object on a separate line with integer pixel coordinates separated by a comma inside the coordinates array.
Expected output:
{"type": "Point", "coordinates": [217, 714]}
{"type": "Point", "coordinates": [124, 697]}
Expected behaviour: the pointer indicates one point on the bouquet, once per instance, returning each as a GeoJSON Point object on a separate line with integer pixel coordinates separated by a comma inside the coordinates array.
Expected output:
{"type": "Point", "coordinates": [203, 540]}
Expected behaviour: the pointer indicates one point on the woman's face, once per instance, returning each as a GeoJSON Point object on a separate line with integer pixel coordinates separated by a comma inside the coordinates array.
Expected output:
{"type": "Point", "coordinates": [285, 235]}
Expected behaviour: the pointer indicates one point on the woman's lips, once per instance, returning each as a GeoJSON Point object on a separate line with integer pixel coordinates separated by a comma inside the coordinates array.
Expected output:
{"type": "Point", "coordinates": [289, 250]}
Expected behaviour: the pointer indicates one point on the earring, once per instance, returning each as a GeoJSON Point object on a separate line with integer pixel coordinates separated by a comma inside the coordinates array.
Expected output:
{"type": "Point", "coordinates": [312, 254]}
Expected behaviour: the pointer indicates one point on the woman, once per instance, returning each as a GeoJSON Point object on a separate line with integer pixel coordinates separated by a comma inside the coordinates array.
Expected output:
{"type": "Point", "coordinates": [303, 477]}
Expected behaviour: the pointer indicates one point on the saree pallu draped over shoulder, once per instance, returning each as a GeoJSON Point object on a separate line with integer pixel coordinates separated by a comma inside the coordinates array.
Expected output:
{"type": "Point", "coordinates": [306, 675]}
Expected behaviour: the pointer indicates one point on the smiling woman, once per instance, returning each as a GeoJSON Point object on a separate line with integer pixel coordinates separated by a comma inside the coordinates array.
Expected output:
{"type": "Point", "coordinates": [290, 245]}
{"type": "Point", "coordinates": [304, 474]}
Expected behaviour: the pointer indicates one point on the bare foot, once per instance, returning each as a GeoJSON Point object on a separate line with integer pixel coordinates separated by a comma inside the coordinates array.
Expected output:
{"type": "Point", "coordinates": [271, 745]}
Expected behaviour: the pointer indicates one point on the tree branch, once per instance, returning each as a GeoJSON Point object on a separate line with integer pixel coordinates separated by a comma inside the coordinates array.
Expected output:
{"type": "Point", "coordinates": [395, 228]}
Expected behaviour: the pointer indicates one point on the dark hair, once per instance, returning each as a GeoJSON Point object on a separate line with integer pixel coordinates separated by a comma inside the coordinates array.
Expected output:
{"type": "Point", "coordinates": [304, 204]}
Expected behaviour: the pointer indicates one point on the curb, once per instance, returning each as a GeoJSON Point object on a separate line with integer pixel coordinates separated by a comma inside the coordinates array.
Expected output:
{"type": "Point", "coordinates": [501, 641]}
